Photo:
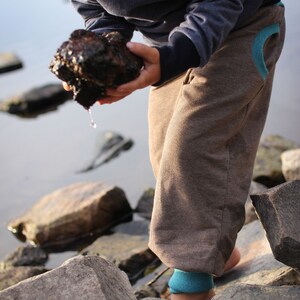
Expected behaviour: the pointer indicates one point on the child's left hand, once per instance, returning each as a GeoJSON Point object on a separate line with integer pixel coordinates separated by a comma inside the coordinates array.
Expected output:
{"type": "Point", "coordinates": [149, 75]}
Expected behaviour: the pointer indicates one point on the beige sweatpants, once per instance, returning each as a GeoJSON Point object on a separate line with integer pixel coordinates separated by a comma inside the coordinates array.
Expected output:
{"type": "Point", "coordinates": [204, 130]}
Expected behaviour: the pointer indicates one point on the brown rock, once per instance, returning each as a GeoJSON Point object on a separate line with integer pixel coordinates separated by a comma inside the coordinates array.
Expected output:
{"type": "Point", "coordinates": [71, 213]}
{"type": "Point", "coordinates": [279, 209]}
{"type": "Point", "coordinates": [90, 63]}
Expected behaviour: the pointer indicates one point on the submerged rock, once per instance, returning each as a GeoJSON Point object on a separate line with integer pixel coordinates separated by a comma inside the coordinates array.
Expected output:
{"type": "Point", "coordinates": [90, 63]}
{"type": "Point", "coordinates": [78, 211]}
{"type": "Point", "coordinates": [109, 146]}
{"type": "Point", "coordinates": [91, 278]}
{"type": "Point", "coordinates": [36, 101]}
{"type": "Point", "coordinates": [9, 62]}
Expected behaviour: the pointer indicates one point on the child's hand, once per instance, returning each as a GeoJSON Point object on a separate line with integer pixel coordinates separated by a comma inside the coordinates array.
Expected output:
{"type": "Point", "coordinates": [150, 73]}
{"type": "Point", "coordinates": [66, 87]}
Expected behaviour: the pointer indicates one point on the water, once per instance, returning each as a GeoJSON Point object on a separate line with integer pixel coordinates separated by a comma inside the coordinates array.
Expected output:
{"type": "Point", "coordinates": [92, 122]}
{"type": "Point", "coordinates": [40, 155]}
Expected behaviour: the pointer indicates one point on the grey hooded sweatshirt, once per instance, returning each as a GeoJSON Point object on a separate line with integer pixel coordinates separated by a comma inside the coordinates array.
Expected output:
{"type": "Point", "coordinates": [186, 33]}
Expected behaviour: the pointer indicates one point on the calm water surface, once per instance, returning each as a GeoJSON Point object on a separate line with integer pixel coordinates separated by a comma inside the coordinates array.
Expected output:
{"type": "Point", "coordinates": [40, 155]}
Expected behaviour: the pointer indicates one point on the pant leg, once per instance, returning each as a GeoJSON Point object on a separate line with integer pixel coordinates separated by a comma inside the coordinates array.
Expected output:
{"type": "Point", "coordinates": [204, 129]}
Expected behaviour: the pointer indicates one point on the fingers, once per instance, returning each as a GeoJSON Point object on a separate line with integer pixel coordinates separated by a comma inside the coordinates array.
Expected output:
{"type": "Point", "coordinates": [66, 86]}
{"type": "Point", "coordinates": [149, 54]}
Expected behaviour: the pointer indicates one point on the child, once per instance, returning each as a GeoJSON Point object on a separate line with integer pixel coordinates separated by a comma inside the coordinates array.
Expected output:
{"type": "Point", "coordinates": [211, 65]}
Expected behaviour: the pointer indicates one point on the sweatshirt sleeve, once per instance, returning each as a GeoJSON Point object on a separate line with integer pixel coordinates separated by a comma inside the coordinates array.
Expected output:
{"type": "Point", "coordinates": [99, 21]}
{"type": "Point", "coordinates": [205, 27]}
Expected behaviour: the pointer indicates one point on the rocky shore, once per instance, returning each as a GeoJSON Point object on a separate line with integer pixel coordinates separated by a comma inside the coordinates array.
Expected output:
{"type": "Point", "coordinates": [113, 260]}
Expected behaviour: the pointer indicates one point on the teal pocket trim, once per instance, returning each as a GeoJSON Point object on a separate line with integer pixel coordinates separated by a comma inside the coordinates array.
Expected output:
{"type": "Point", "coordinates": [258, 48]}
{"type": "Point", "coordinates": [280, 4]}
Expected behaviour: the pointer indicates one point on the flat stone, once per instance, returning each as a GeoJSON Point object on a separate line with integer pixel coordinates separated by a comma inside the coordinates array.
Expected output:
{"type": "Point", "coordinates": [78, 211]}
{"type": "Point", "coordinates": [130, 253]}
{"type": "Point", "coordinates": [14, 275]}
{"type": "Point", "coordinates": [9, 62]}
{"type": "Point", "coordinates": [88, 277]}
{"type": "Point", "coordinates": [250, 292]}
{"type": "Point", "coordinates": [257, 265]}
{"type": "Point", "coordinates": [36, 101]}
{"type": "Point", "coordinates": [291, 164]}
{"type": "Point", "coordinates": [25, 256]}
{"type": "Point", "coordinates": [267, 167]}
{"type": "Point", "coordinates": [137, 227]}
{"type": "Point", "coordinates": [279, 209]}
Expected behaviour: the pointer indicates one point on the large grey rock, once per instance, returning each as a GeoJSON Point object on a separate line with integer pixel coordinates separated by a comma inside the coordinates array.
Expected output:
{"type": "Point", "coordinates": [251, 292]}
{"type": "Point", "coordinates": [279, 210]}
{"type": "Point", "coordinates": [36, 101]}
{"type": "Point", "coordinates": [72, 213]}
{"type": "Point", "coordinates": [91, 278]}
{"type": "Point", "coordinates": [291, 164]}
{"type": "Point", "coordinates": [257, 265]}
{"type": "Point", "coordinates": [12, 276]}
{"type": "Point", "coordinates": [249, 208]}
{"type": "Point", "coordinates": [267, 167]}
{"type": "Point", "coordinates": [9, 62]}
{"type": "Point", "coordinates": [130, 253]}
{"type": "Point", "coordinates": [25, 256]}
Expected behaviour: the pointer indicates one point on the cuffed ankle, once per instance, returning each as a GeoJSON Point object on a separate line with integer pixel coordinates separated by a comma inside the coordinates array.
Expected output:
{"type": "Point", "coordinates": [183, 282]}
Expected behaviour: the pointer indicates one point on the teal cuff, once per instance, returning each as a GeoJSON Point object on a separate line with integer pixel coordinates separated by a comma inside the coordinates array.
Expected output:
{"type": "Point", "coordinates": [183, 282]}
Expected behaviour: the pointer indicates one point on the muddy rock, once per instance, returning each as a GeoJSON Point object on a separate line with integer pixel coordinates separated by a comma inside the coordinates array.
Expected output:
{"type": "Point", "coordinates": [279, 209]}
{"type": "Point", "coordinates": [72, 213]}
{"type": "Point", "coordinates": [91, 278]}
{"type": "Point", "coordinates": [90, 63]}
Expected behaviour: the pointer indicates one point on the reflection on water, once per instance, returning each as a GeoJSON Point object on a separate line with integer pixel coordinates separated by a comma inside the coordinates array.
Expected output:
{"type": "Point", "coordinates": [40, 155]}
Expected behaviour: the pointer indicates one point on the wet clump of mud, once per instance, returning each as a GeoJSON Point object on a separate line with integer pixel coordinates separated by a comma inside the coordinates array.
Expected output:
{"type": "Point", "coordinates": [89, 63]}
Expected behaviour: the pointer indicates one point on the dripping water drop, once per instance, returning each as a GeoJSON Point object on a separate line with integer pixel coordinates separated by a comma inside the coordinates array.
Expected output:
{"type": "Point", "coordinates": [92, 123]}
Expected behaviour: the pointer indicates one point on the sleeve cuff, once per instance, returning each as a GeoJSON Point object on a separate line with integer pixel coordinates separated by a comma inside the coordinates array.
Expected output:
{"type": "Point", "coordinates": [177, 57]}
{"type": "Point", "coordinates": [183, 282]}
